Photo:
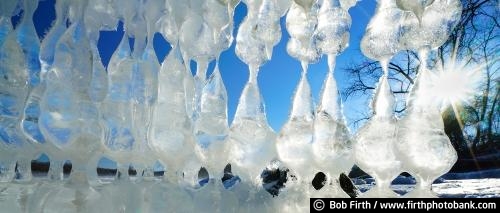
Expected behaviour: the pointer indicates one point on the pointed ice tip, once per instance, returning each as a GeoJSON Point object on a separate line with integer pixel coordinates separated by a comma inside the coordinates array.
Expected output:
{"type": "Point", "coordinates": [124, 47]}
{"type": "Point", "coordinates": [269, 51]}
{"type": "Point", "coordinates": [302, 106]}
{"type": "Point", "coordinates": [250, 105]}
{"type": "Point", "coordinates": [383, 102]}
{"type": "Point", "coordinates": [330, 99]}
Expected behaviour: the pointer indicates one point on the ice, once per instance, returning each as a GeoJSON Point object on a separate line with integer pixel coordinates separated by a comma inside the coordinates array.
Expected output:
{"type": "Point", "coordinates": [219, 15]}
{"type": "Point", "coordinates": [250, 143]}
{"type": "Point", "coordinates": [248, 48]}
{"type": "Point", "coordinates": [332, 143]}
{"type": "Point", "coordinates": [416, 7]}
{"type": "Point", "coordinates": [30, 45]}
{"type": "Point", "coordinates": [46, 57]}
{"type": "Point", "coordinates": [211, 128]}
{"type": "Point", "coordinates": [374, 150]}
{"type": "Point", "coordinates": [260, 31]}
{"type": "Point", "coordinates": [424, 149]}
{"type": "Point", "coordinates": [438, 20]}
{"type": "Point", "coordinates": [296, 136]}
{"type": "Point", "coordinates": [171, 132]}
{"type": "Point", "coordinates": [268, 25]}
{"type": "Point", "coordinates": [117, 106]}
{"type": "Point", "coordinates": [205, 33]}
{"type": "Point", "coordinates": [381, 39]}
{"type": "Point", "coordinates": [99, 83]}
{"type": "Point", "coordinates": [68, 117]}
{"type": "Point", "coordinates": [195, 31]}
{"type": "Point", "coordinates": [14, 88]}
{"type": "Point", "coordinates": [144, 97]}
{"type": "Point", "coordinates": [301, 25]}
{"type": "Point", "coordinates": [346, 4]}
{"type": "Point", "coordinates": [305, 4]}
{"type": "Point", "coordinates": [29, 42]}
{"type": "Point", "coordinates": [99, 15]}
{"type": "Point", "coordinates": [58, 98]}
{"type": "Point", "coordinates": [322, 27]}
{"type": "Point", "coordinates": [333, 27]}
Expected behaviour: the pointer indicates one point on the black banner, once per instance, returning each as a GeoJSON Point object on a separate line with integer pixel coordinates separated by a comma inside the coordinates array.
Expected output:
{"type": "Point", "coordinates": [427, 204]}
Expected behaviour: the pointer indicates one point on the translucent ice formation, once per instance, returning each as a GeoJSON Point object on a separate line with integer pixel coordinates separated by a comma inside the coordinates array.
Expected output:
{"type": "Point", "coordinates": [68, 117]}
{"type": "Point", "coordinates": [14, 88]}
{"type": "Point", "coordinates": [294, 141]}
{"type": "Point", "coordinates": [417, 7]}
{"type": "Point", "coordinates": [381, 39]}
{"type": "Point", "coordinates": [117, 107]}
{"type": "Point", "coordinates": [29, 42]}
{"type": "Point", "coordinates": [332, 143]}
{"type": "Point", "coordinates": [250, 144]}
{"type": "Point", "coordinates": [423, 147]}
{"type": "Point", "coordinates": [171, 131]}
{"type": "Point", "coordinates": [59, 98]}
{"type": "Point", "coordinates": [31, 118]}
{"type": "Point", "coordinates": [13, 91]}
{"type": "Point", "coordinates": [333, 27]}
{"type": "Point", "coordinates": [437, 21]}
{"type": "Point", "coordinates": [375, 142]}
{"type": "Point", "coordinates": [211, 128]}
{"type": "Point", "coordinates": [301, 24]}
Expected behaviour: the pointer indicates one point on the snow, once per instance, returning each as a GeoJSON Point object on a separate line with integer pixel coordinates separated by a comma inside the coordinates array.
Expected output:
{"type": "Point", "coordinates": [480, 184]}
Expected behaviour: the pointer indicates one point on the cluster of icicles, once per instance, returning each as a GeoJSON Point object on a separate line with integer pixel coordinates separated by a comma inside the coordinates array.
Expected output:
{"type": "Point", "coordinates": [57, 98]}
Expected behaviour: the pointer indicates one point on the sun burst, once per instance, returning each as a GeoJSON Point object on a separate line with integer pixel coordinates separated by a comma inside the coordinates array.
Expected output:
{"type": "Point", "coordinates": [456, 82]}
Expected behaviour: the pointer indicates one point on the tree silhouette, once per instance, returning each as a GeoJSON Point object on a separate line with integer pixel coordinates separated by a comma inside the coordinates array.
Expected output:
{"type": "Point", "coordinates": [472, 126]}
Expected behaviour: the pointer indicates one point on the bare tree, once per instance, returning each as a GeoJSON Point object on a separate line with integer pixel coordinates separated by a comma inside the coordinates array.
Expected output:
{"type": "Point", "coordinates": [475, 40]}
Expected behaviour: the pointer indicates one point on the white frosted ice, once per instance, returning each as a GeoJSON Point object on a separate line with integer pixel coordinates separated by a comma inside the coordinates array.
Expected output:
{"type": "Point", "coordinates": [68, 117]}
{"type": "Point", "coordinates": [438, 20]}
{"type": "Point", "coordinates": [417, 7]}
{"type": "Point", "coordinates": [424, 149]}
{"type": "Point", "coordinates": [374, 149]}
{"type": "Point", "coordinates": [296, 136]}
{"type": "Point", "coordinates": [250, 143]}
{"type": "Point", "coordinates": [59, 98]}
{"type": "Point", "coordinates": [171, 130]}
{"type": "Point", "coordinates": [211, 128]}
{"type": "Point", "coordinates": [301, 25]}
{"type": "Point", "coordinates": [381, 39]}
{"type": "Point", "coordinates": [332, 143]}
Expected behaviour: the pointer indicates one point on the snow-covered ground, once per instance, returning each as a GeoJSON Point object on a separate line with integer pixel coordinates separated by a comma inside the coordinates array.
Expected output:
{"type": "Point", "coordinates": [469, 188]}
{"type": "Point", "coordinates": [482, 184]}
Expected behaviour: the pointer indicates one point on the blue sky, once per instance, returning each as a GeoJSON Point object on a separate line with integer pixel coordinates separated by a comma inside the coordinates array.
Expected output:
{"type": "Point", "coordinates": [279, 77]}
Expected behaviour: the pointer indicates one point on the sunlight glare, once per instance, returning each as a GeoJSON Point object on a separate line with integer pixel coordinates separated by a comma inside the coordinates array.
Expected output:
{"type": "Point", "coordinates": [456, 83]}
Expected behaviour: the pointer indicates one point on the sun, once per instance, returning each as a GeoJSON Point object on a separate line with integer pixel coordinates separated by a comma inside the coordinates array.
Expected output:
{"type": "Point", "coordinates": [456, 82]}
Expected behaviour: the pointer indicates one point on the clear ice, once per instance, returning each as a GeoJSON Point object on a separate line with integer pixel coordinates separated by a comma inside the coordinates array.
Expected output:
{"type": "Point", "coordinates": [58, 98]}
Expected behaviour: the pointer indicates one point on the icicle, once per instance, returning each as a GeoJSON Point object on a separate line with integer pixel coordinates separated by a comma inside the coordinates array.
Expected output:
{"type": "Point", "coordinates": [29, 42]}
{"type": "Point", "coordinates": [383, 101]}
